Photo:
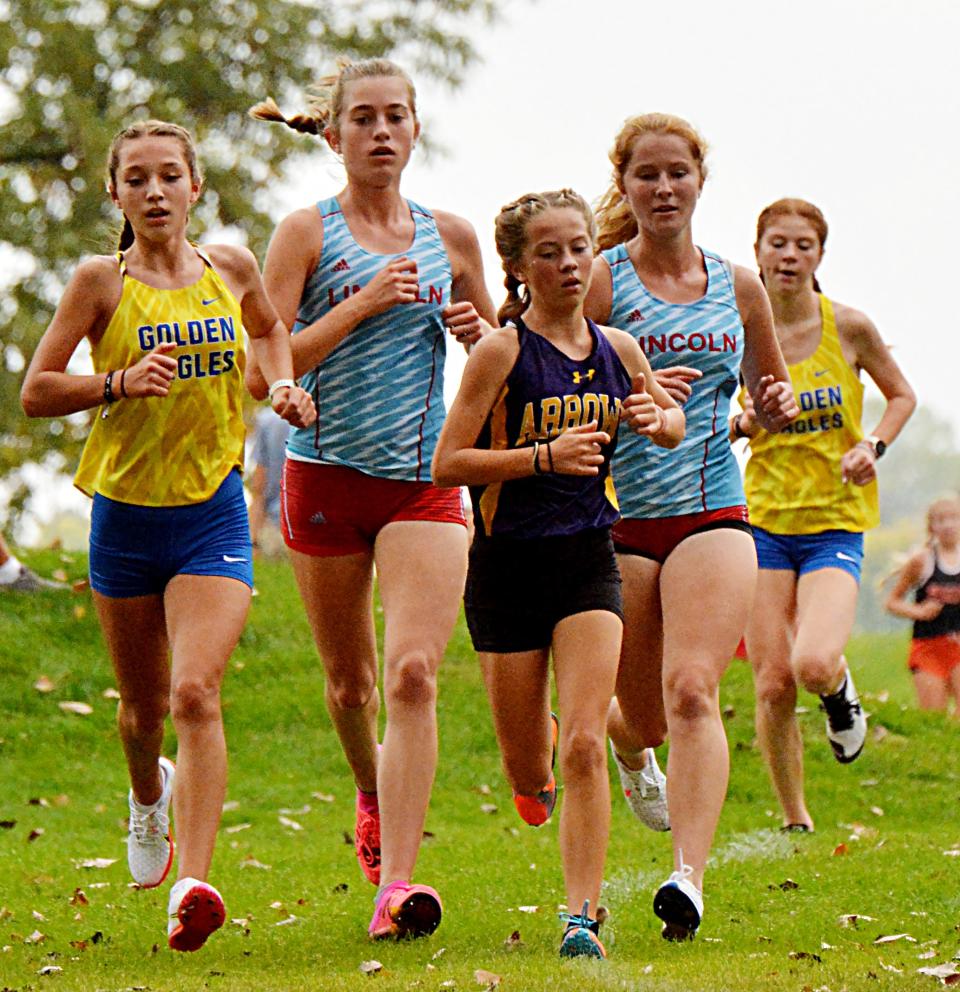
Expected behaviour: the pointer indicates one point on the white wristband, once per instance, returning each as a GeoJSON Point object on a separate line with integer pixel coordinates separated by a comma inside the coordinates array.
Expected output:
{"type": "Point", "coordinates": [280, 384]}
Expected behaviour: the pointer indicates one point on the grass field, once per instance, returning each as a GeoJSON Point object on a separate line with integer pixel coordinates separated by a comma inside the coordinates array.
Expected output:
{"type": "Point", "coordinates": [886, 847]}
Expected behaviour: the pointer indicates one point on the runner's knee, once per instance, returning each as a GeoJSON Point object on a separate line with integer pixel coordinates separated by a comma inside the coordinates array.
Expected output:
{"type": "Point", "coordinates": [411, 680]}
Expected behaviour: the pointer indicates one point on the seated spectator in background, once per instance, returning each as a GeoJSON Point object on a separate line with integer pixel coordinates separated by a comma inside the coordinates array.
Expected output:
{"type": "Point", "coordinates": [16, 577]}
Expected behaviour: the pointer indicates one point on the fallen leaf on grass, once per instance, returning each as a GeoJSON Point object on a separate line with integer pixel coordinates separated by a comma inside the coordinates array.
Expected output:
{"type": "Point", "coordinates": [81, 585]}
{"type": "Point", "coordinates": [488, 808]}
{"type": "Point", "coordinates": [486, 978]}
{"type": "Point", "coordinates": [322, 797]}
{"type": "Point", "coordinates": [370, 967]}
{"type": "Point", "coordinates": [892, 937]}
{"type": "Point", "coordinates": [34, 834]}
{"type": "Point", "coordinates": [852, 919]}
{"type": "Point", "coordinates": [50, 969]}
{"type": "Point", "coordinates": [229, 806]}
{"type": "Point", "coordinates": [302, 811]}
{"type": "Point", "coordinates": [35, 938]}
{"type": "Point", "coordinates": [953, 853]}
{"type": "Point", "coordinates": [513, 941]}
{"type": "Point", "coordinates": [44, 684]}
{"type": "Point", "coordinates": [529, 909]}
{"type": "Point", "coordinates": [251, 862]}
{"type": "Point", "coordinates": [483, 789]}
{"type": "Point", "coordinates": [876, 810]}
{"type": "Point", "coordinates": [39, 917]}
{"type": "Point", "coordinates": [94, 863]}
{"type": "Point", "coordinates": [237, 827]}
{"type": "Point", "coordinates": [786, 885]}
{"type": "Point", "coordinates": [840, 849]}
{"type": "Point", "coordinates": [439, 953]}
{"type": "Point", "coordinates": [7, 824]}
{"type": "Point", "coordinates": [926, 955]}
{"type": "Point", "coordinates": [947, 973]}
{"type": "Point", "coordinates": [79, 612]}
{"type": "Point", "coordinates": [110, 693]}
{"type": "Point", "coordinates": [290, 824]}
{"type": "Point", "coordinates": [71, 706]}
{"type": "Point", "coordinates": [890, 967]}
{"type": "Point", "coordinates": [804, 956]}
{"type": "Point", "coordinates": [288, 921]}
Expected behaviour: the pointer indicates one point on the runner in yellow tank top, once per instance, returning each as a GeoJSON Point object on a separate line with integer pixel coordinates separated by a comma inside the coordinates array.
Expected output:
{"type": "Point", "coordinates": [811, 491]}
{"type": "Point", "coordinates": [169, 545]}
{"type": "Point", "coordinates": [201, 418]}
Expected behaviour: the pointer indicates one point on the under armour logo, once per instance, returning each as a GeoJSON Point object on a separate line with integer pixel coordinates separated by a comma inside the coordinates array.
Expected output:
{"type": "Point", "coordinates": [342, 266]}
{"type": "Point", "coordinates": [578, 377]}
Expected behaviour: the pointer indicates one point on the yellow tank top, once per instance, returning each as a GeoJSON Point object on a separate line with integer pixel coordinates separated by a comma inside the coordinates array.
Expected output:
{"type": "Point", "coordinates": [176, 449]}
{"type": "Point", "coordinates": [792, 479]}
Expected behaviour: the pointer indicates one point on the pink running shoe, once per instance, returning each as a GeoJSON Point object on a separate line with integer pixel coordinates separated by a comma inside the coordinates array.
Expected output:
{"type": "Point", "coordinates": [195, 911]}
{"type": "Point", "coordinates": [404, 910]}
{"type": "Point", "coordinates": [366, 838]}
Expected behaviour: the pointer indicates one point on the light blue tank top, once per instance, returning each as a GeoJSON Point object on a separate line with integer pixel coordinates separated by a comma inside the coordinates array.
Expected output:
{"type": "Point", "coordinates": [701, 473]}
{"type": "Point", "coordinates": [379, 393]}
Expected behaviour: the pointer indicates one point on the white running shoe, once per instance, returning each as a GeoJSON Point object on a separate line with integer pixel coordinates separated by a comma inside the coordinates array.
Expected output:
{"type": "Point", "coordinates": [195, 910]}
{"type": "Point", "coordinates": [645, 790]}
{"type": "Point", "coordinates": [679, 903]}
{"type": "Point", "coordinates": [150, 840]}
{"type": "Point", "coordinates": [846, 723]}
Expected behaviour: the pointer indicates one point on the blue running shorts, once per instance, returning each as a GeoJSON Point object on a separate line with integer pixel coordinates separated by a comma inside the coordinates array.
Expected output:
{"type": "Point", "coordinates": [802, 553]}
{"type": "Point", "coordinates": [137, 550]}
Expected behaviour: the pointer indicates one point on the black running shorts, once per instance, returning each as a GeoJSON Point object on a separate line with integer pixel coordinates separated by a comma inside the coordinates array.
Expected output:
{"type": "Point", "coordinates": [518, 590]}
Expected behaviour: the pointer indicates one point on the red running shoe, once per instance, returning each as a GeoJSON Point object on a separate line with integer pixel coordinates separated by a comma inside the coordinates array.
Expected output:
{"type": "Point", "coordinates": [404, 910]}
{"type": "Point", "coordinates": [195, 910]}
{"type": "Point", "coordinates": [366, 838]}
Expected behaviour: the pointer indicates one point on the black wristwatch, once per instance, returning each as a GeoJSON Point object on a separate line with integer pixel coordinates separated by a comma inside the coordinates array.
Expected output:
{"type": "Point", "coordinates": [878, 446]}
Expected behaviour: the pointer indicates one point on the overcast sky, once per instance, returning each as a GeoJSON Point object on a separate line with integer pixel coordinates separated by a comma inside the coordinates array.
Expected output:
{"type": "Point", "coordinates": [853, 105]}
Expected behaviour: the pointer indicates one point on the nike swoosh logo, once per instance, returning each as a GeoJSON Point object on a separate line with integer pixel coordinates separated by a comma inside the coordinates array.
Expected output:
{"type": "Point", "coordinates": [844, 557]}
{"type": "Point", "coordinates": [230, 560]}
{"type": "Point", "coordinates": [207, 303]}
{"type": "Point", "coordinates": [817, 375]}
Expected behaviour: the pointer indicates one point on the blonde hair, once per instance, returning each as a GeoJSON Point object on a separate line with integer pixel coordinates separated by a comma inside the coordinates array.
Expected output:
{"type": "Point", "coordinates": [326, 101]}
{"type": "Point", "coordinates": [615, 220]}
{"type": "Point", "coordinates": [510, 232]}
{"type": "Point", "coordinates": [791, 206]}
{"type": "Point", "coordinates": [149, 129]}
{"type": "Point", "coordinates": [946, 500]}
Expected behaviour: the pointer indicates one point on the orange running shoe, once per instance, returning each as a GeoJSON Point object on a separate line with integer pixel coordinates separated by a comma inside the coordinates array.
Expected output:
{"type": "Point", "coordinates": [536, 810]}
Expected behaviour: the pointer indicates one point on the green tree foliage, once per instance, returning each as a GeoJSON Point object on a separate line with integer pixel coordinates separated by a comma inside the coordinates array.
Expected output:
{"type": "Point", "coordinates": [74, 72]}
